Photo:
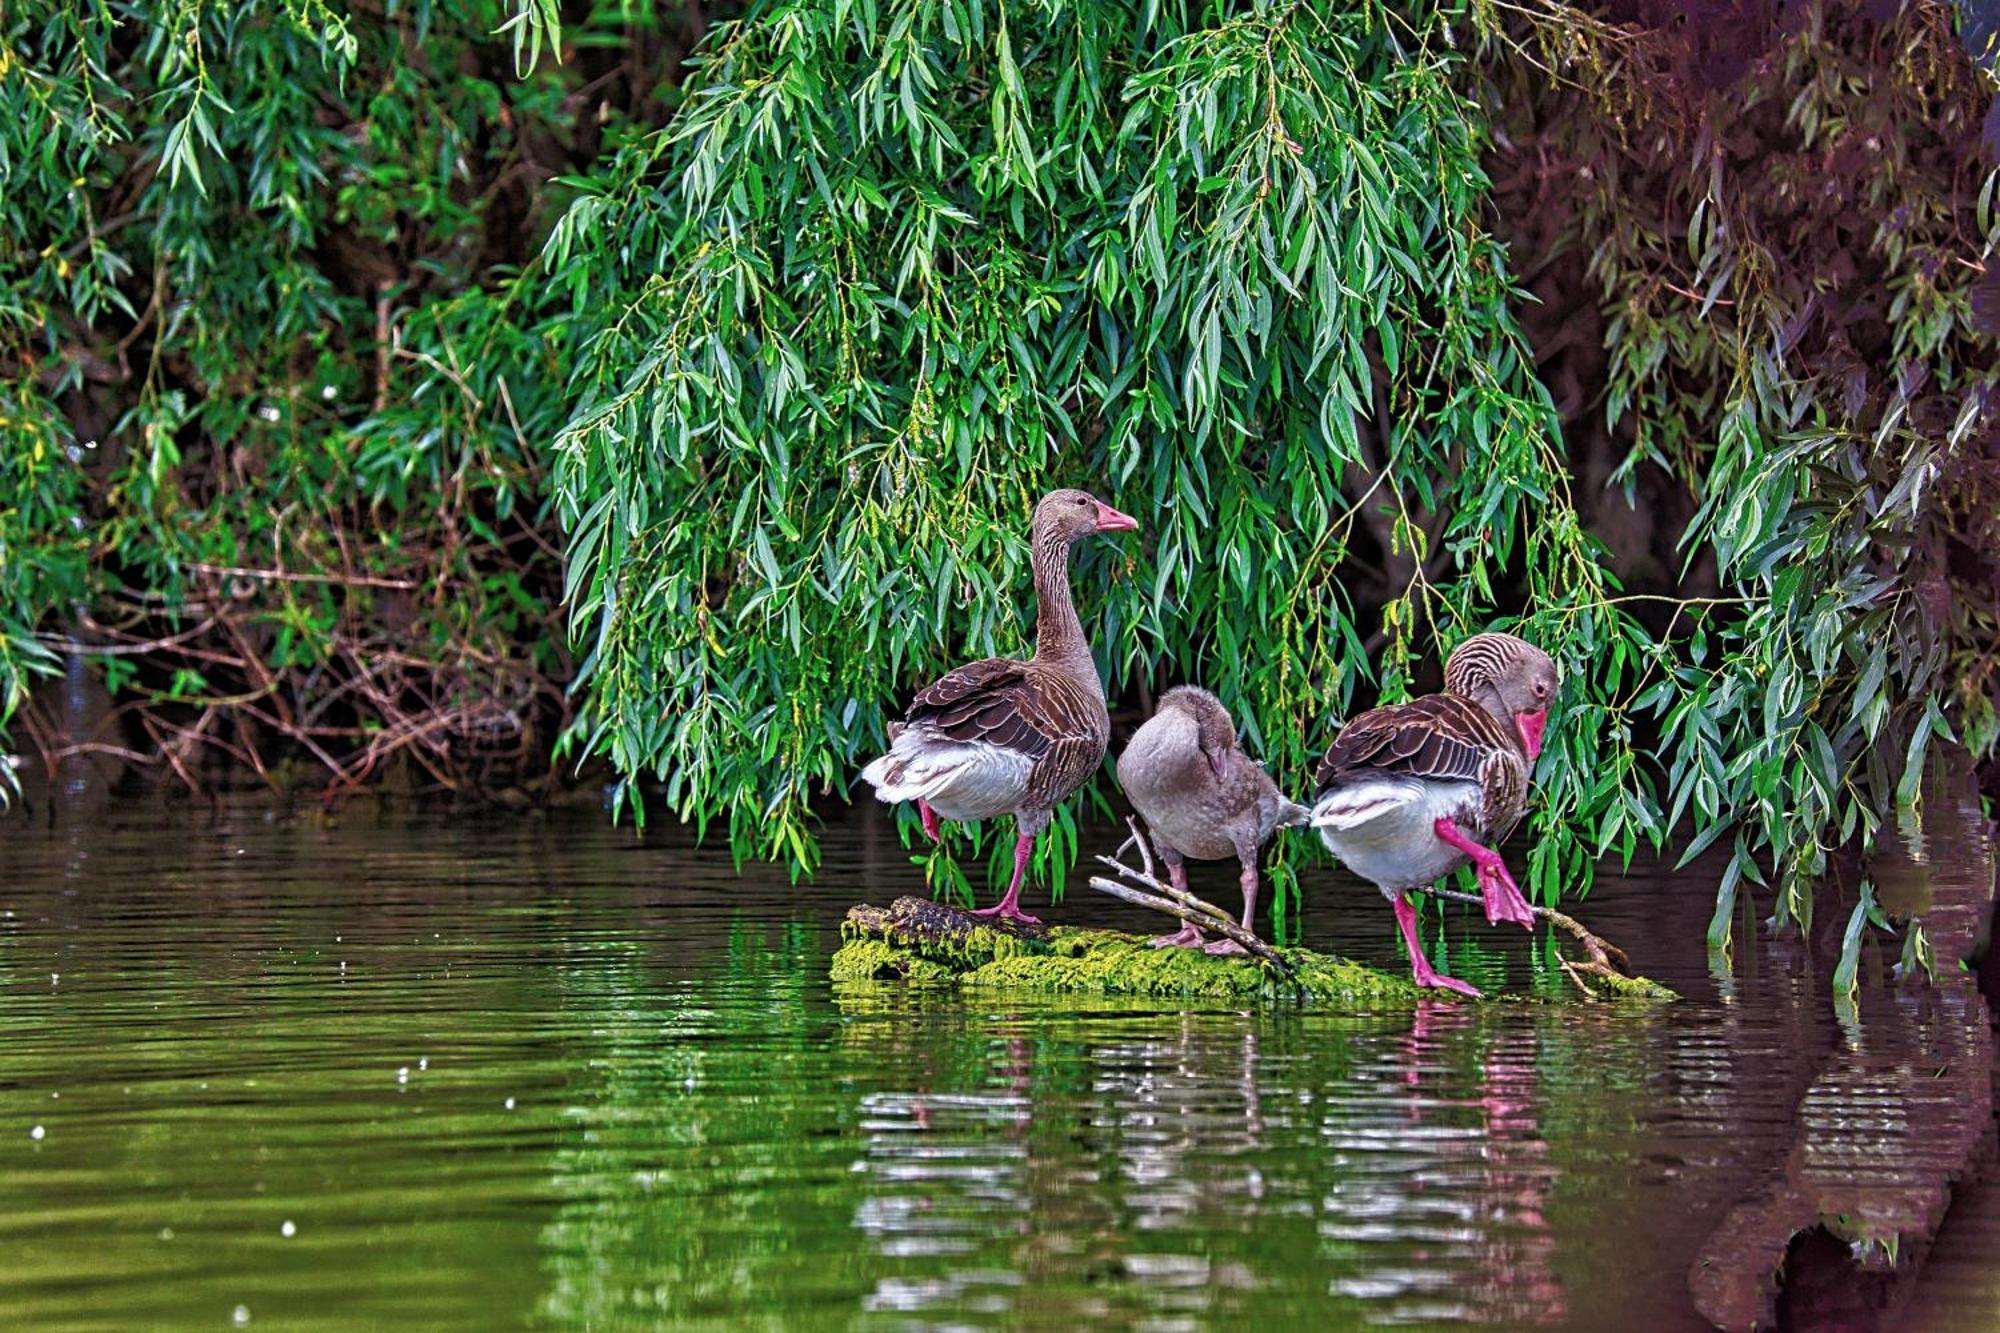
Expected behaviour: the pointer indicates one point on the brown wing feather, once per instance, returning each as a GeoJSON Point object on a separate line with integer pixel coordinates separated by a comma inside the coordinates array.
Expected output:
{"type": "Point", "coordinates": [988, 701]}
{"type": "Point", "coordinates": [1439, 737]}
{"type": "Point", "coordinates": [1026, 708]}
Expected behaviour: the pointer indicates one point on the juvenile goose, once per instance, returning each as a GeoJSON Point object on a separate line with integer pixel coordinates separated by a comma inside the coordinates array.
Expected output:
{"type": "Point", "coordinates": [1411, 792]}
{"type": "Point", "coordinates": [1202, 796]}
{"type": "Point", "coordinates": [999, 736]}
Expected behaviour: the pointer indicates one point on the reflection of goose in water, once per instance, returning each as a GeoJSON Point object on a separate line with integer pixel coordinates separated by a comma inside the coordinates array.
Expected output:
{"type": "Point", "coordinates": [1192, 1166]}
{"type": "Point", "coordinates": [1449, 1182]}
{"type": "Point", "coordinates": [1182, 1107]}
{"type": "Point", "coordinates": [963, 1204]}
{"type": "Point", "coordinates": [989, 1210]}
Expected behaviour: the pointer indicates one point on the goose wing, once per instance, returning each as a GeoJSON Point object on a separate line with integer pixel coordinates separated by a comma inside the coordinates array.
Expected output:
{"type": "Point", "coordinates": [990, 702]}
{"type": "Point", "coordinates": [1014, 705]}
{"type": "Point", "coordinates": [1439, 738]}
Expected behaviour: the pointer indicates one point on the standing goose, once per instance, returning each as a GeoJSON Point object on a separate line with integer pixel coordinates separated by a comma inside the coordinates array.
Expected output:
{"type": "Point", "coordinates": [1000, 737]}
{"type": "Point", "coordinates": [1203, 797]}
{"type": "Point", "coordinates": [1411, 792]}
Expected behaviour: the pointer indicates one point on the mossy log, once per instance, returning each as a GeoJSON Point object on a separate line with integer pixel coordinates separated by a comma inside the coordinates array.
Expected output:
{"type": "Point", "coordinates": [1606, 969]}
{"type": "Point", "coordinates": [934, 943]}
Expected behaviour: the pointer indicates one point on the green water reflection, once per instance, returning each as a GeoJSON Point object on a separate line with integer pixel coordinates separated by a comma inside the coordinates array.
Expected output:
{"type": "Point", "coordinates": [527, 1076]}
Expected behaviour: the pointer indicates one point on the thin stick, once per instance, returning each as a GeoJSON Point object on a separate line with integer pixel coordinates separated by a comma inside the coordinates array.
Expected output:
{"type": "Point", "coordinates": [1205, 913]}
{"type": "Point", "coordinates": [1133, 837]}
{"type": "Point", "coordinates": [1605, 957]}
{"type": "Point", "coordinates": [1212, 915]}
{"type": "Point", "coordinates": [1190, 915]}
{"type": "Point", "coordinates": [1179, 903]}
{"type": "Point", "coordinates": [1195, 915]}
{"type": "Point", "coordinates": [287, 576]}
{"type": "Point", "coordinates": [1572, 971]}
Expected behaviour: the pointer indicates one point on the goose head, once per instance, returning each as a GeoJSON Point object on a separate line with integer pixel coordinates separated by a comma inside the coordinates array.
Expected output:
{"type": "Point", "coordinates": [1071, 515]}
{"type": "Point", "coordinates": [1508, 677]}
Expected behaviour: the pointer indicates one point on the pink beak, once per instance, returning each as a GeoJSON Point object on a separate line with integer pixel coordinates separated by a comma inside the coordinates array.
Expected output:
{"type": "Point", "coordinates": [1110, 520]}
{"type": "Point", "coordinates": [1530, 726]}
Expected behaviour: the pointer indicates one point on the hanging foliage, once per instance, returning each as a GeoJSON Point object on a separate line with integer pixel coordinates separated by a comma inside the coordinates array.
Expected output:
{"type": "Point", "coordinates": [1764, 253]}
{"type": "Point", "coordinates": [319, 332]}
{"type": "Point", "coordinates": [896, 268]}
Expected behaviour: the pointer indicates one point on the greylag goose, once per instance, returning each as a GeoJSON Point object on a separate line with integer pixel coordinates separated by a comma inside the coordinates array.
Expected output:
{"type": "Point", "coordinates": [1000, 737]}
{"type": "Point", "coordinates": [1411, 792]}
{"type": "Point", "coordinates": [1203, 797]}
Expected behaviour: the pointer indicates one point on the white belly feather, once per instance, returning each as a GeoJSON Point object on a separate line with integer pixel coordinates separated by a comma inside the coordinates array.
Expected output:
{"type": "Point", "coordinates": [961, 780]}
{"type": "Point", "coordinates": [1383, 828]}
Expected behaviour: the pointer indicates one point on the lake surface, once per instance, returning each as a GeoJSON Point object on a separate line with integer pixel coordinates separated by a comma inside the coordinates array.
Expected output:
{"type": "Point", "coordinates": [452, 1071]}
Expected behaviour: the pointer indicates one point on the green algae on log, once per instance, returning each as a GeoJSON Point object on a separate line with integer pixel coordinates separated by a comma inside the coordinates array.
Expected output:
{"type": "Point", "coordinates": [928, 942]}
{"type": "Point", "coordinates": [1629, 988]}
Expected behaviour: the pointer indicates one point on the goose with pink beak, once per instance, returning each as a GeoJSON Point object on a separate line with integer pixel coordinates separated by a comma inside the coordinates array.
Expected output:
{"type": "Point", "coordinates": [1006, 737]}
{"type": "Point", "coordinates": [1411, 792]}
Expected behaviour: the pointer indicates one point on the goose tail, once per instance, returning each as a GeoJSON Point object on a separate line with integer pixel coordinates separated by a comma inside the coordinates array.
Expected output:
{"type": "Point", "coordinates": [1353, 804]}
{"type": "Point", "coordinates": [912, 771]}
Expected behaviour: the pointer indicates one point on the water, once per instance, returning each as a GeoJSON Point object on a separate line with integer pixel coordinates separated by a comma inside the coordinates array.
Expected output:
{"type": "Point", "coordinates": [448, 1071]}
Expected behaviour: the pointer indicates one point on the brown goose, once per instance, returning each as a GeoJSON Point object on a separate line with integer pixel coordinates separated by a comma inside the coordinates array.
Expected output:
{"type": "Point", "coordinates": [1411, 792]}
{"type": "Point", "coordinates": [1202, 796]}
{"type": "Point", "coordinates": [1001, 737]}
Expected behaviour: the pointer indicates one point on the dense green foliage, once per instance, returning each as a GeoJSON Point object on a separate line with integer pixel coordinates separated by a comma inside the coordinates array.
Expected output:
{"type": "Point", "coordinates": [896, 269]}
{"type": "Point", "coordinates": [358, 311]}
{"type": "Point", "coordinates": [272, 388]}
{"type": "Point", "coordinates": [1774, 237]}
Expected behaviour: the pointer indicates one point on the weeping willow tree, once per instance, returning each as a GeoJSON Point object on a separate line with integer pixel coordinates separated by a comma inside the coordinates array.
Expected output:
{"type": "Point", "coordinates": [1770, 244]}
{"type": "Point", "coordinates": [1655, 336]}
{"type": "Point", "coordinates": [895, 268]}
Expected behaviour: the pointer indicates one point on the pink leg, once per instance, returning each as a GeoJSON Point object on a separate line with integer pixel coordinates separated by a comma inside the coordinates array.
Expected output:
{"type": "Point", "coordinates": [1188, 936]}
{"type": "Point", "coordinates": [1421, 970]}
{"type": "Point", "coordinates": [1008, 908]}
{"type": "Point", "coordinates": [1248, 879]}
{"type": "Point", "coordinates": [930, 818]}
{"type": "Point", "coordinates": [1503, 900]}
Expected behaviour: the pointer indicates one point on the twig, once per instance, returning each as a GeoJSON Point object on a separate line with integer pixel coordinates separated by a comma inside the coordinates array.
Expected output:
{"type": "Point", "coordinates": [1193, 916]}
{"type": "Point", "coordinates": [174, 757]}
{"type": "Point", "coordinates": [64, 643]}
{"type": "Point", "coordinates": [1134, 838]}
{"type": "Point", "coordinates": [79, 748]}
{"type": "Point", "coordinates": [1606, 959]}
{"type": "Point", "coordinates": [1570, 970]}
{"type": "Point", "coordinates": [1692, 296]}
{"type": "Point", "coordinates": [1211, 915]}
{"type": "Point", "coordinates": [1176, 902]}
{"type": "Point", "coordinates": [286, 576]}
